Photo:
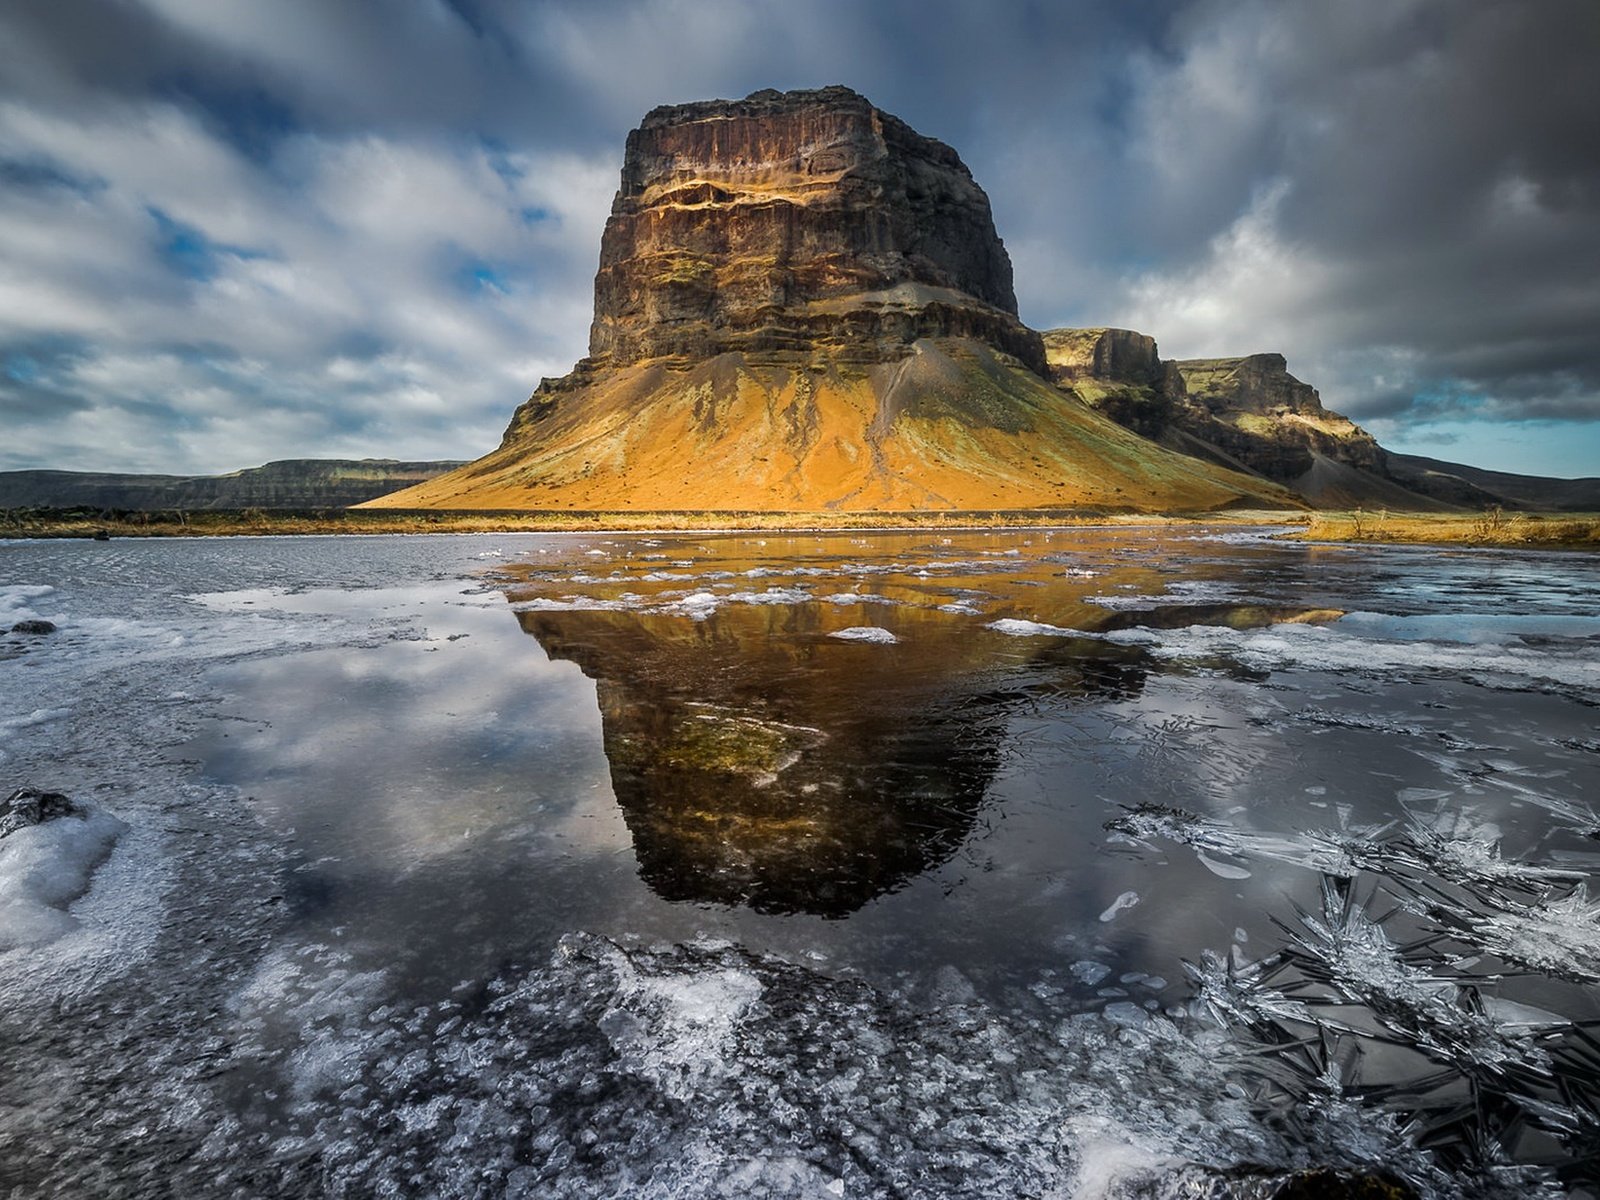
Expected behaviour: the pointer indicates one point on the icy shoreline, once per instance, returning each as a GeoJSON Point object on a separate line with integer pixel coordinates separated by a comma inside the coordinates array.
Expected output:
{"type": "Point", "coordinates": [186, 1032]}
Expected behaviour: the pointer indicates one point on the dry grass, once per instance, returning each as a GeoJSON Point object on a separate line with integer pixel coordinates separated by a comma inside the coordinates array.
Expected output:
{"type": "Point", "coordinates": [87, 524]}
{"type": "Point", "coordinates": [1492, 527]}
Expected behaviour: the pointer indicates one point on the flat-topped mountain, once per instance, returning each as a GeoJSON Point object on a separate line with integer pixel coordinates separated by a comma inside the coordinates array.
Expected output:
{"type": "Point", "coordinates": [802, 305]}
{"type": "Point", "coordinates": [294, 483]}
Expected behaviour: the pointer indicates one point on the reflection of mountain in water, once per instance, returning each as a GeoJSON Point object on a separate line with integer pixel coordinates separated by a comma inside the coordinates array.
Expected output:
{"type": "Point", "coordinates": [759, 762]}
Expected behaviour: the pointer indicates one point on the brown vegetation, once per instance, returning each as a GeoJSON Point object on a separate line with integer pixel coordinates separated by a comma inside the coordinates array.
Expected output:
{"type": "Point", "coordinates": [1491, 527]}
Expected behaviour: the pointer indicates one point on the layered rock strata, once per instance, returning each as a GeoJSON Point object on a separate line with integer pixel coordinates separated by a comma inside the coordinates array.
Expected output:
{"type": "Point", "coordinates": [797, 221]}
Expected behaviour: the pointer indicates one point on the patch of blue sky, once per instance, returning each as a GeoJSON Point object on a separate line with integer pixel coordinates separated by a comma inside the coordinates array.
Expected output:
{"type": "Point", "coordinates": [498, 156]}
{"type": "Point", "coordinates": [189, 252]}
{"type": "Point", "coordinates": [477, 277]}
{"type": "Point", "coordinates": [22, 368]}
{"type": "Point", "coordinates": [34, 360]}
{"type": "Point", "coordinates": [1561, 449]}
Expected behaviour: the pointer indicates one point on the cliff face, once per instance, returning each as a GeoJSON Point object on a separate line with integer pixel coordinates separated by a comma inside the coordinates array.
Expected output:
{"type": "Point", "coordinates": [1111, 355]}
{"type": "Point", "coordinates": [1257, 412]}
{"type": "Point", "coordinates": [1118, 372]}
{"type": "Point", "coordinates": [797, 221]}
{"type": "Point", "coordinates": [1248, 413]}
{"type": "Point", "coordinates": [802, 305]}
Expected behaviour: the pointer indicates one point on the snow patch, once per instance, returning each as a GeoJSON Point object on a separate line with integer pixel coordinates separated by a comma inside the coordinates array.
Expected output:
{"type": "Point", "coordinates": [44, 868]}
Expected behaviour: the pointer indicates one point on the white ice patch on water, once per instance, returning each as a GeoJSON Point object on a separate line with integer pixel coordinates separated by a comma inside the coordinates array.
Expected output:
{"type": "Point", "coordinates": [865, 633]}
{"type": "Point", "coordinates": [628, 602]}
{"type": "Point", "coordinates": [857, 598]}
{"type": "Point", "coordinates": [1483, 629]}
{"type": "Point", "coordinates": [1334, 649]}
{"type": "Point", "coordinates": [311, 999]}
{"type": "Point", "coordinates": [1121, 904]}
{"type": "Point", "coordinates": [1015, 627]}
{"type": "Point", "coordinates": [1179, 591]}
{"type": "Point", "coordinates": [794, 595]}
{"type": "Point", "coordinates": [1239, 537]}
{"type": "Point", "coordinates": [44, 868]}
{"type": "Point", "coordinates": [16, 602]}
{"type": "Point", "coordinates": [27, 720]}
{"type": "Point", "coordinates": [697, 606]}
{"type": "Point", "coordinates": [1557, 936]}
{"type": "Point", "coordinates": [1222, 870]}
{"type": "Point", "coordinates": [1089, 972]}
{"type": "Point", "coordinates": [1112, 1162]}
{"type": "Point", "coordinates": [677, 1030]}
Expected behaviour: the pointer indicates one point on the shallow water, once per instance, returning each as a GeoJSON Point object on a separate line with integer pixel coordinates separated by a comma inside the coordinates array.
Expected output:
{"type": "Point", "coordinates": [902, 865]}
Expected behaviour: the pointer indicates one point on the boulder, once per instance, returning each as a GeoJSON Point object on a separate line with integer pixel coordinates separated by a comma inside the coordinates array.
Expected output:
{"type": "Point", "coordinates": [29, 806]}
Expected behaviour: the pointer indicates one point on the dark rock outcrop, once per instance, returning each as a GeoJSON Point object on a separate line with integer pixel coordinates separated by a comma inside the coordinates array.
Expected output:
{"type": "Point", "coordinates": [1250, 414]}
{"type": "Point", "coordinates": [34, 626]}
{"type": "Point", "coordinates": [1119, 372]}
{"type": "Point", "coordinates": [29, 806]}
{"type": "Point", "coordinates": [1256, 412]}
{"type": "Point", "coordinates": [797, 221]}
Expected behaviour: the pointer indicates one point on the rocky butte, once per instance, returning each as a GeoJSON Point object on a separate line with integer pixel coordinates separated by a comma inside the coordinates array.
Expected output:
{"type": "Point", "coordinates": [802, 305]}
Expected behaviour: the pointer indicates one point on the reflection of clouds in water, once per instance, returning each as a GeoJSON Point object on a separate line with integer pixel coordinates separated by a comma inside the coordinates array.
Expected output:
{"type": "Point", "coordinates": [407, 746]}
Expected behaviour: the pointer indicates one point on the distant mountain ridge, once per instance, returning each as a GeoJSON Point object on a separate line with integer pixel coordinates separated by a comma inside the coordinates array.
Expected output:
{"type": "Point", "coordinates": [294, 483]}
{"type": "Point", "coordinates": [1249, 413]}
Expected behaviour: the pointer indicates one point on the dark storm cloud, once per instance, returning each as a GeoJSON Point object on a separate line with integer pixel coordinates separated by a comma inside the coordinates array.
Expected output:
{"type": "Point", "coordinates": [1404, 190]}
{"type": "Point", "coordinates": [368, 227]}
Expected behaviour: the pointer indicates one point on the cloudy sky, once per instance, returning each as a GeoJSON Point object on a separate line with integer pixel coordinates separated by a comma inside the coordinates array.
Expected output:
{"type": "Point", "coordinates": [239, 230]}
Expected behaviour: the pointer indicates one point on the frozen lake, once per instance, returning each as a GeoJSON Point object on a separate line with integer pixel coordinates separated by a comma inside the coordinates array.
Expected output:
{"type": "Point", "coordinates": [1078, 863]}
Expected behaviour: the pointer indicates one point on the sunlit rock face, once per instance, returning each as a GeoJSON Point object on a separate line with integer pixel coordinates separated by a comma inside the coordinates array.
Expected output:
{"type": "Point", "coordinates": [797, 221]}
{"type": "Point", "coordinates": [1113, 355]}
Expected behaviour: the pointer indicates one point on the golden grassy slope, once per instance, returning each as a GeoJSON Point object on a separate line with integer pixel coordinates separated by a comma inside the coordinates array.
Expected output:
{"type": "Point", "coordinates": [1492, 527]}
{"type": "Point", "coordinates": [954, 426]}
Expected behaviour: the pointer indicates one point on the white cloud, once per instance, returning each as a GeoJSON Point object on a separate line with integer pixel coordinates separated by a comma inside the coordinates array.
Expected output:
{"type": "Point", "coordinates": [1251, 291]}
{"type": "Point", "coordinates": [332, 243]}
